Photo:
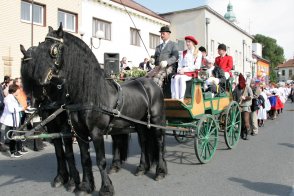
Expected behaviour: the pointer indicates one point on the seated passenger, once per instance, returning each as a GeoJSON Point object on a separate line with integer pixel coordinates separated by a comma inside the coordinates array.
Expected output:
{"type": "Point", "coordinates": [216, 77]}
{"type": "Point", "coordinates": [189, 62]}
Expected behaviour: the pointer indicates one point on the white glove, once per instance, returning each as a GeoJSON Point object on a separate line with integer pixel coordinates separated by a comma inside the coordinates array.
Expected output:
{"type": "Point", "coordinates": [152, 61]}
{"type": "Point", "coordinates": [227, 75]}
{"type": "Point", "coordinates": [163, 64]}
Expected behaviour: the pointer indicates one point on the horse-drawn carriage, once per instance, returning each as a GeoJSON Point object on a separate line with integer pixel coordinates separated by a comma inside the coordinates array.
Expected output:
{"type": "Point", "coordinates": [63, 70]}
{"type": "Point", "coordinates": [204, 115]}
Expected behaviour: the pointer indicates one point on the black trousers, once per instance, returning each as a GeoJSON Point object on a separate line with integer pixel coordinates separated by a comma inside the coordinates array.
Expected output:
{"type": "Point", "coordinates": [13, 145]}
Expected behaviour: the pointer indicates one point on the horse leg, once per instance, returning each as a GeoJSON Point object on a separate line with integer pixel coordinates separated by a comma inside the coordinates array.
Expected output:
{"type": "Point", "coordinates": [74, 177]}
{"type": "Point", "coordinates": [62, 173]}
{"type": "Point", "coordinates": [120, 144]}
{"type": "Point", "coordinates": [161, 168]}
{"type": "Point", "coordinates": [87, 184]}
{"type": "Point", "coordinates": [106, 184]}
{"type": "Point", "coordinates": [144, 165]}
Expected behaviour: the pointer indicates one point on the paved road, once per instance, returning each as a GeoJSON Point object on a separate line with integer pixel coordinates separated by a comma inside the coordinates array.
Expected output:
{"type": "Point", "coordinates": [264, 165]}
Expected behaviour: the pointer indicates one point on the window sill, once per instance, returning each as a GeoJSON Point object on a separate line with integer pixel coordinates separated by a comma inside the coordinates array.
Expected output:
{"type": "Point", "coordinates": [29, 22]}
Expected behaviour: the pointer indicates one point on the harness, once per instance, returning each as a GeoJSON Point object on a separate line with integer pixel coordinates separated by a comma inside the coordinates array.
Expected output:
{"type": "Point", "coordinates": [56, 53]}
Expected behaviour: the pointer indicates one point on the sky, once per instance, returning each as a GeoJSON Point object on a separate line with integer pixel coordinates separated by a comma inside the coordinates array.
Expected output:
{"type": "Point", "coordinates": [273, 18]}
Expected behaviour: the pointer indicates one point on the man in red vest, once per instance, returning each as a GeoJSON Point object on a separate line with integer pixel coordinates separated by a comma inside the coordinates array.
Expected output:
{"type": "Point", "coordinates": [224, 61]}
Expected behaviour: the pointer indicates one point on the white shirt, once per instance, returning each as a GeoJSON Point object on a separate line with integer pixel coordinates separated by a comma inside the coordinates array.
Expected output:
{"type": "Point", "coordinates": [10, 116]}
{"type": "Point", "coordinates": [189, 63]}
{"type": "Point", "coordinates": [163, 44]}
{"type": "Point", "coordinates": [209, 71]}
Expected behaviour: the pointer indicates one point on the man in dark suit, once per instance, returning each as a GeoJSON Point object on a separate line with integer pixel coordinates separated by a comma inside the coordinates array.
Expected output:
{"type": "Point", "coordinates": [165, 57]}
{"type": "Point", "coordinates": [145, 65]}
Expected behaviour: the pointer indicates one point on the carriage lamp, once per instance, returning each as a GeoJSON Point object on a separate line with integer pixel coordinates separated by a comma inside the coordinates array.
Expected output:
{"type": "Point", "coordinates": [98, 35]}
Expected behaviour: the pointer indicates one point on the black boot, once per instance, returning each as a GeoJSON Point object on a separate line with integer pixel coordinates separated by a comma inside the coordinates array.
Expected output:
{"type": "Point", "coordinates": [245, 135]}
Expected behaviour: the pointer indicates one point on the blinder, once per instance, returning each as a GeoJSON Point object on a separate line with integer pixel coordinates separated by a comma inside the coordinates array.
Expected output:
{"type": "Point", "coordinates": [56, 52]}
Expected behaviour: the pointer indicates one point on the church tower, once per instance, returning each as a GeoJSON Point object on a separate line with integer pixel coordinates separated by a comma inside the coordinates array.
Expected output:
{"type": "Point", "coordinates": [230, 15]}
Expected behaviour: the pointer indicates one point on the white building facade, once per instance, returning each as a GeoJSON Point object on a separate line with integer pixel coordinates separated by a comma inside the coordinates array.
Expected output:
{"type": "Point", "coordinates": [77, 16]}
{"type": "Point", "coordinates": [212, 29]}
{"type": "Point", "coordinates": [119, 31]}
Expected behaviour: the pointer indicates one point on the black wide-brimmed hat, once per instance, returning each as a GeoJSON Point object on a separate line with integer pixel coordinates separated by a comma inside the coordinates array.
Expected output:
{"type": "Point", "coordinates": [164, 29]}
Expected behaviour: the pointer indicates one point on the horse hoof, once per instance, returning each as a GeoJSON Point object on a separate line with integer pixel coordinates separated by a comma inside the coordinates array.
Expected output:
{"type": "Point", "coordinates": [113, 170]}
{"type": "Point", "coordinates": [140, 173]}
{"type": "Point", "coordinates": [159, 177]}
{"type": "Point", "coordinates": [70, 186]}
{"type": "Point", "coordinates": [106, 191]}
{"type": "Point", "coordinates": [101, 193]}
{"type": "Point", "coordinates": [58, 182]}
{"type": "Point", "coordinates": [85, 187]}
{"type": "Point", "coordinates": [80, 193]}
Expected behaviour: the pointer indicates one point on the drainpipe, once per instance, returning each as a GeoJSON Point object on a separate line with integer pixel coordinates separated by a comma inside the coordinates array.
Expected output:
{"type": "Point", "coordinates": [32, 25]}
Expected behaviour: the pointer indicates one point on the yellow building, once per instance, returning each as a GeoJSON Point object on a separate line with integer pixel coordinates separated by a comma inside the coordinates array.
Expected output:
{"type": "Point", "coordinates": [16, 27]}
{"type": "Point", "coordinates": [262, 68]}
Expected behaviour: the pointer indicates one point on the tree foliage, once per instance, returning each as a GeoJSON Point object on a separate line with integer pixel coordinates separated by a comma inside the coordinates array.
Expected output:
{"type": "Point", "coordinates": [271, 51]}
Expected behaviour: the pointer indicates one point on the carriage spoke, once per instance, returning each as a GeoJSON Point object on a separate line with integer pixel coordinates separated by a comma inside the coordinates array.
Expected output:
{"type": "Point", "coordinates": [203, 149]}
{"type": "Point", "coordinates": [209, 153]}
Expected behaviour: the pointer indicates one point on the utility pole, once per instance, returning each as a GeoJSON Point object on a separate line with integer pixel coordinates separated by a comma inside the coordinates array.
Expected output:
{"type": "Point", "coordinates": [32, 24]}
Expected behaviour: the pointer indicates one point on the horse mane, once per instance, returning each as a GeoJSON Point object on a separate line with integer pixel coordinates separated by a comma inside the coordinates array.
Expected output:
{"type": "Point", "coordinates": [85, 79]}
{"type": "Point", "coordinates": [27, 69]}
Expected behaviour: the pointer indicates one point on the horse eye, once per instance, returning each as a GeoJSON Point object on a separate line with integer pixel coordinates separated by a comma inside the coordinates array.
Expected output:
{"type": "Point", "coordinates": [54, 50]}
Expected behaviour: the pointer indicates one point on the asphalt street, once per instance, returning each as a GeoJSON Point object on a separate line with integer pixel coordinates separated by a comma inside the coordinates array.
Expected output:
{"type": "Point", "coordinates": [263, 165]}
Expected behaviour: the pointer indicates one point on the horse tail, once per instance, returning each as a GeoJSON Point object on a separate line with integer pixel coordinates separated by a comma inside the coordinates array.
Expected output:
{"type": "Point", "coordinates": [120, 146]}
{"type": "Point", "coordinates": [148, 140]}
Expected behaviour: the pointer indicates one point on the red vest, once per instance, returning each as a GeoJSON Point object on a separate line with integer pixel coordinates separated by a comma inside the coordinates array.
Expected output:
{"type": "Point", "coordinates": [225, 63]}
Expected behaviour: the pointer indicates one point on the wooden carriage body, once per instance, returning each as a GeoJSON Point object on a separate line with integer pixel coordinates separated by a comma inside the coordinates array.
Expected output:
{"type": "Point", "coordinates": [204, 114]}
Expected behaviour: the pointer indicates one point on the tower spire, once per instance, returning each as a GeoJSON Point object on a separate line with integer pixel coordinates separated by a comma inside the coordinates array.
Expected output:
{"type": "Point", "coordinates": [230, 15]}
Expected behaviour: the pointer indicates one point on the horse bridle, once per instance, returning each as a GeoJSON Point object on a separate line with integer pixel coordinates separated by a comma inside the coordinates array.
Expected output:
{"type": "Point", "coordinates": [56, 52]}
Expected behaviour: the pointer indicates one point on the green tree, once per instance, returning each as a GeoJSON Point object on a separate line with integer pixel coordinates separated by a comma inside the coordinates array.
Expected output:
{"type": "Point", "coordinates": [272, 52]}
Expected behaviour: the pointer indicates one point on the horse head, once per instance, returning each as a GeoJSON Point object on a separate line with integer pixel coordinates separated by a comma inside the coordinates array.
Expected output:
{"type": "Point", "coordinates": [63, 59]}
{"type": "Point", "coordinates": [32, 87]}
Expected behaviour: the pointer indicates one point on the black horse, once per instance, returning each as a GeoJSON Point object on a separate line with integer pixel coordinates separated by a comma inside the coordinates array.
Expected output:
{"type": "Point", "coordinates": [65, 176]}
{"type": "Point", "coordinates": [47, 101]}
{"type": "Point", "coordinates": [92, 100]}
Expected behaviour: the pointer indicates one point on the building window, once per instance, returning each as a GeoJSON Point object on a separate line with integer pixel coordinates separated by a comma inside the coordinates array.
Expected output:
{"type": "Point", "coordinates": [101, 25]}
{"type": "Point", "coordinates": [154, 40]}
{"type": "Point", "coordinates": [290, 73]}
{"type": "Point", "coordinates": [283, 72]}
{"type": "Point", "coordinates": [68, 20]}
{"type": "Point", "coordinates": [212, 48]}
{"type": "Point", "coordinates": [135, 38]}
{"type": "Point", "coordinates": [26, 13]}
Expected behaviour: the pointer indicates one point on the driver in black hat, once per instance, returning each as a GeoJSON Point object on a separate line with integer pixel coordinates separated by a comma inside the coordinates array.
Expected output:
{"type": "Point", "coordinates": [165, 57]}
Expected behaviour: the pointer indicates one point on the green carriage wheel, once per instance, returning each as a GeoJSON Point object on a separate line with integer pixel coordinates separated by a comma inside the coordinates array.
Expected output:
{"type": "Point", "coordinates": [206, 138]}
{"type": "Point", "coordinates": [181, 136]}
{"type": "Point", "coordinates": [232, 125]}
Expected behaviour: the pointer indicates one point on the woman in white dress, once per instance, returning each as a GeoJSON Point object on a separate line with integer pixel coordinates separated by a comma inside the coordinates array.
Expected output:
{"type": "Point", "coordinates": [263, 109]}
{"type": "Point", "coordinates": [189, 62]}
